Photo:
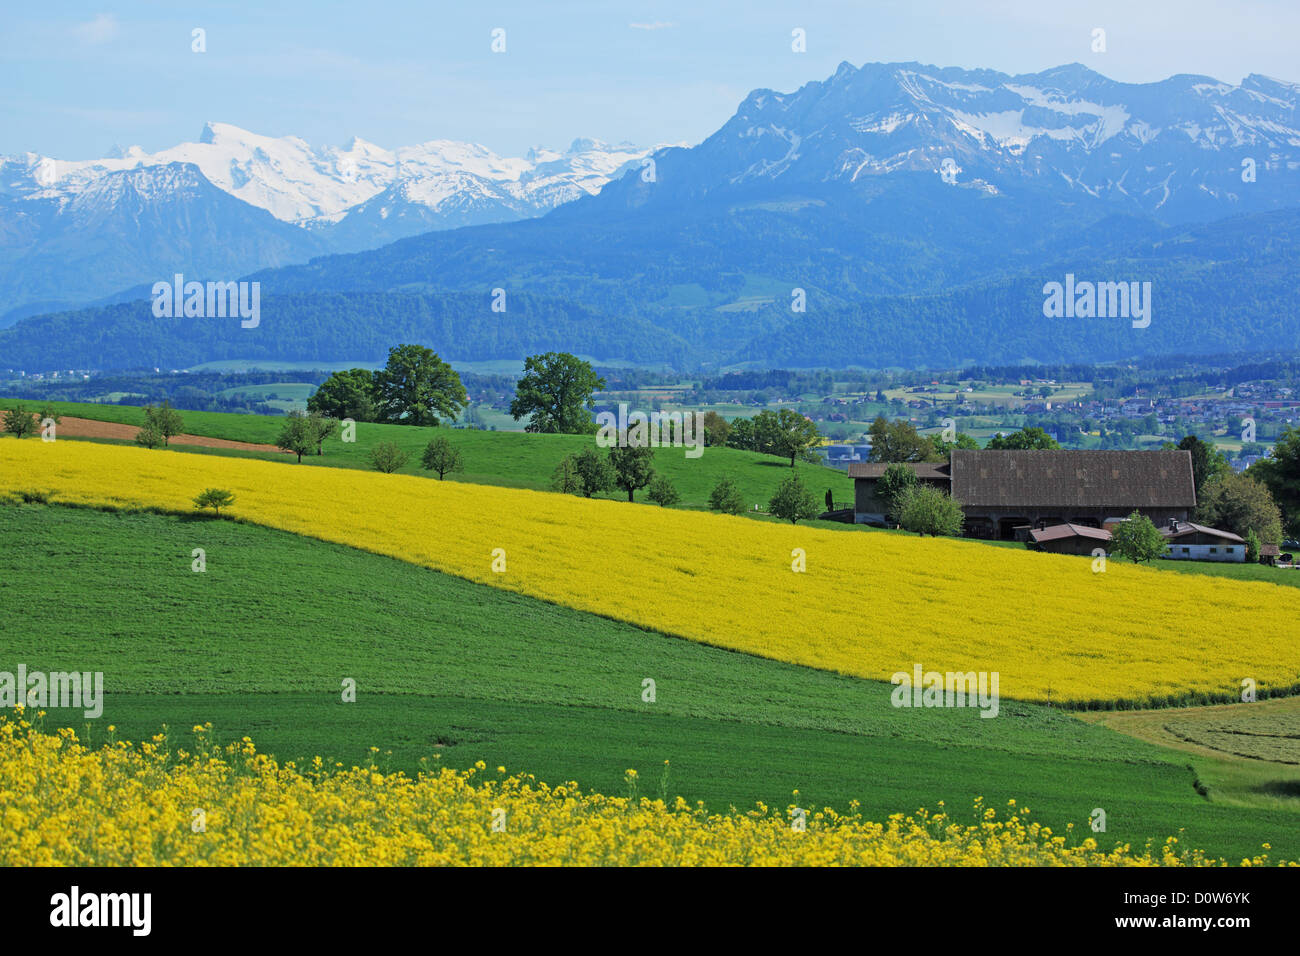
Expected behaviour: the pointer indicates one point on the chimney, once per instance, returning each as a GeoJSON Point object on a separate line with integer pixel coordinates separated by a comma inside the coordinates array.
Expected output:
{"type": "Point", "coordinates": [1173, 524]}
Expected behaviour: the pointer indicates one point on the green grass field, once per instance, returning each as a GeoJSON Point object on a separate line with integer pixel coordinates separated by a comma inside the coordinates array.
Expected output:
{"type": "Point", "coordinates": [289, 396]}
{"type": "Point", "coordinates": [261, 642]}
{"type": "Point", "coordinates": [511, 459]}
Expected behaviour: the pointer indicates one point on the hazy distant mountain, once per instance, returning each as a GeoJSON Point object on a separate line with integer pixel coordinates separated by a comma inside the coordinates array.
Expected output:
{"type": "Point", "coordinates": [338, 199]}
{"type": "Point", "coordinates": [131, 226]}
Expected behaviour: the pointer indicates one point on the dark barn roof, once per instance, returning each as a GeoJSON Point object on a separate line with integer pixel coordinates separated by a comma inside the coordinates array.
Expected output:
{"type": "Point", "coordinates": [1073, 479]}
{"type": "Point", "coordinates": [924, 469]}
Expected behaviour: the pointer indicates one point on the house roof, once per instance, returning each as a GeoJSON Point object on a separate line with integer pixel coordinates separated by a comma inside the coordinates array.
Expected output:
{"type": "Point", "coordinates": [1185, 528]}
{"type": "Point", "coordinates": [1269, 550]}
{"type": "Point", "coordinates": [1058, 531]}
{"type": "Point", "coordinates": [935, 470]}
{"type": "Point", "coordinates": [1073, 479]}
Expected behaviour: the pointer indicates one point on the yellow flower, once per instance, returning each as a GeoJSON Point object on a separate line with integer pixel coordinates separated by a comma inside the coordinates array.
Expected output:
{"type": "Point", "coordinates": [260, 813]}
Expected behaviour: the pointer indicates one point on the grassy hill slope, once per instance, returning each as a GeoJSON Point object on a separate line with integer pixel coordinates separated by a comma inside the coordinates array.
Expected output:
{"type": "Point", "coordinates": [260, 643]}
{"type": "Point", "coordinates": [869, 605]}
{"type": "Point", "coordinates": [507, 459]}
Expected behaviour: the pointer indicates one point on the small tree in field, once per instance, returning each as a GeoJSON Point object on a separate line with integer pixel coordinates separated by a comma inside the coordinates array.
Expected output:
{"type": "Point", "coordinates": [442, 457]}
{"type": "Point", "coordinates": [321, 427]}
{"type": "Point", "coordinates": [662, 492]}
{"type": "Point", "coordinates": [1252, 547]}
{"type": "Point", "coordinates": [163, 419]}
{"type": "Point", "coordinates": [793, 501]}
{"type": "Point", "coordinates": [149, 437]}
{"type": "Point", "coordinates": [298, 436]}
{"type": "Point", "coordinates": [893, 485]}
{"type": "Point", "coordinates": [387, 457]}
{"type": "Point", "coordinates": [595, 473]}
{"type": "Point", "coordinates": [1137, 539]}
{"type": "Point", "coordinates": [928, 510]}
{"type": "Point", "coordinates": [19, 422]}
{"type": "Point", "coordinates": [214, 498]}
{"type": "Point", "coordinates": [565, 478]}
{"type": "Point", "coordinates": [725, 497]}
{"type": "Point", "coordinates": [633, 467]}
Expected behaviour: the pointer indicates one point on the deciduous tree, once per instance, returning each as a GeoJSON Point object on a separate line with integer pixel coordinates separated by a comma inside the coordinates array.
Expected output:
{"type": "Point", "coordinates": [387, 457]}
{"type": "Point", "coordinates": [1281, 473]}
{"type": "Point", "coordinates": [19, 422]}
{"type": "Point", "coordinates": [595, 472]}
{"type": "Point", "coordinates": [792, 501]}
{"type": "Point", "coordinates": [897, 481]}
{"type": "Point", "coordinates": [346, 394]}
{"type": "Point", "coordinates": [1137, 539]}
{"type": "Point", "coordinates": [1240, 504]}
{"type": "Point", "coordinates": [725, 497]}
{"type": "Point", "coordinates": [443, 457]}
{"type": "Point", "coordinates": [415, 387]}
{"type": "Point", "coordinates": [1027, 439]}
{"type": "Point", "coordinates": [926, 509]}
{"type": "Point", "coordinates": [633, 467]}
{"type": "Point", "coordinates": [297, 435]}
{"type": "Point", "coordinates": [556, 393]}
{"type": "Point", "coordinates": [214, 498]}
{"type": "Point", "coordinates": [662, 492]}
{"type": "Point", "coordinates": [164, 420]}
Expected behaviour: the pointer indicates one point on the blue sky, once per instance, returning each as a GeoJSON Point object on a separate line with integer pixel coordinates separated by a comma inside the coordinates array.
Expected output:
{"type": "Point", "coordinates": [77, 78]}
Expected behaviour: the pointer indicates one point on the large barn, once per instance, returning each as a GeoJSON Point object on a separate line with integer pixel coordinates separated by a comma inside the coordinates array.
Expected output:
{"type": "Point", "coordinates": [1002, 491]}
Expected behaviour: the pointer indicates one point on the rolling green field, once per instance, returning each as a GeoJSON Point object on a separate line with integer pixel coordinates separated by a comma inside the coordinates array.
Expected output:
{"type": "Point", "coordinates": [510, 459]}
{"type": "Point", "coordinates": [289, 396]}
{"type": "Point", "coordinates": [261, 642]}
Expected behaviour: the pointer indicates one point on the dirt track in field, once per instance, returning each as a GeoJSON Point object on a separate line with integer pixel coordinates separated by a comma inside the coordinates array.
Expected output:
{"type": "Point", "coordinates": [89, 428]}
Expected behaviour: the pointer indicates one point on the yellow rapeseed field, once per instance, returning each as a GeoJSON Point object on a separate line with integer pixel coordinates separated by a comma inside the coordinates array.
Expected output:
{"type": "Point", "coordinates": [120, 805]}
{"type": "Point", "coordinates": [869, 604]}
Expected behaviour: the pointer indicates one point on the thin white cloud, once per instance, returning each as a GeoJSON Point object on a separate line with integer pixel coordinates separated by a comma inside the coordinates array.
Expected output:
{"type": "Point", "coordinates": [657, 25]}
{"type": "Point", "coordinates": [99, 30]}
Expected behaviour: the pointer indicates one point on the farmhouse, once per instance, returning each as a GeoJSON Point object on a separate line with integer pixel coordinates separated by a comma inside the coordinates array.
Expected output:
{"type": "Point", "coordinates": [1069, 539]}
{"type": "Point", "coordinates": [1195, 542]}
{"type": "Point", "coordinates": [1002, 491]}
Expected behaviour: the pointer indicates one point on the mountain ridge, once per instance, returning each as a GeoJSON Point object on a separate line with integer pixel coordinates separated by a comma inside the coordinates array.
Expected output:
{"type": "Point", "coordinates": [875, 191]}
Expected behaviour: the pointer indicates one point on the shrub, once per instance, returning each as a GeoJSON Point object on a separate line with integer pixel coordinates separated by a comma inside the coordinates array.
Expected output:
{"type": "Point", "coordinates": [441, 456]}
{"type": "Point", "coordinates": [725, 497]}
{"type": "Point", "coordinates": [662, 492]}
{"type": "Point", "coordinates": [150, 437]}
{"type": "Point", "coordinates": [1137, 539]}
{"type": "Point", "coordinates": [565, 479]}
{"type": "Point", "coordinates": [894, 485]}
{"type": "Point", "coordinates": [164, 420]}
{"type": "Point", "coordinates": [929, 510]}
{"type": "Point", "coordinates": [387, 457]}
{"type": "Point", "coordinates": [595, 473]}
{"type": "Point", "coordinates": [214, 498]}
{"type": "Point", "coordinates": [793, 501]}
{"type": "Point", "coordinates": [19, 422]}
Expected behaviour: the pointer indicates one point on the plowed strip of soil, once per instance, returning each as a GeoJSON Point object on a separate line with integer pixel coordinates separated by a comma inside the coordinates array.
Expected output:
{"type": "Point", "coordinates": [89, 428]}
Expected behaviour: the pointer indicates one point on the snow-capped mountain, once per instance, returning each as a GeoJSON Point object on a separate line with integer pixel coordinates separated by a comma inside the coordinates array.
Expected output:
{"type": "Point", "coordinates": [133, 226]}
{"type": "Point", "coordinates": [333, 199]}
{"type": "Point", "coordinates": [1187, 147]}
{"type": "Point", "coordinates": [306, 185]}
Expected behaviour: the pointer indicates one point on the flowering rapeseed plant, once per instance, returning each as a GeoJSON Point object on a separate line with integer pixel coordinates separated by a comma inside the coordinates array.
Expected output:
{"type": "Point", "coordinates": [121, 805]}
